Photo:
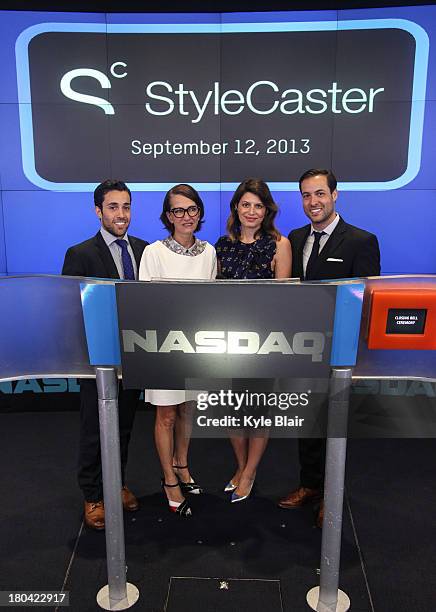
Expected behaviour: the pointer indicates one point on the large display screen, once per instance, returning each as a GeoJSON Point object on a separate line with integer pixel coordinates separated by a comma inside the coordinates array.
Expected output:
{"type": "Point", "coordinates": [211, 100]}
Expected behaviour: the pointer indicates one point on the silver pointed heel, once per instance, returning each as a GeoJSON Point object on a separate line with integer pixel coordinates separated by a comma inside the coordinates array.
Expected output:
{"type": "Point", "coordinates": [230, 487]}
{"type": "Point", "coordinates": [238, 498]}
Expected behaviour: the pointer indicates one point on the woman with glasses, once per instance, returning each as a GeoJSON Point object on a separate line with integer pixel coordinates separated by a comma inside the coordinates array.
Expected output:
{"type": "Point", "coordinates": [180, 256]}
{"type": "Point", "coordinates": [252, 249]}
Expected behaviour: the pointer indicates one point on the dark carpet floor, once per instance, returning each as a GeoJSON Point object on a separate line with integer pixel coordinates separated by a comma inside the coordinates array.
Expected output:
{"type": "Point", "coordinates": [268, 557]}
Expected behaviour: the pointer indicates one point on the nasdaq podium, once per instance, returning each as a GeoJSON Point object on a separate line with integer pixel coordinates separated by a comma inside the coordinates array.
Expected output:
{"type": "Point", "coordinates": [190, 335]}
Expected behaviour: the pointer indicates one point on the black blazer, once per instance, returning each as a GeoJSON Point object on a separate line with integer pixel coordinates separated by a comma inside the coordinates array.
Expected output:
{"type": "Point", "coordinates": [357, 251]}
{"type": "Point", "coordinates": [93, 258]}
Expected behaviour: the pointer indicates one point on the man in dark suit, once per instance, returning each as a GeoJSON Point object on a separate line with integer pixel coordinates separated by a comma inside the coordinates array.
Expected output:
{"type": "Point", "coordinates": [111, 253]}
{"type": "Point", "coordinates": [327, 248]}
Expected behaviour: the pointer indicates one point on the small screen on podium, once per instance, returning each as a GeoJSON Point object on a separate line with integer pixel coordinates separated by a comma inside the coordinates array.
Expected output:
{"type": "Point", "coordinates": [406, 320]}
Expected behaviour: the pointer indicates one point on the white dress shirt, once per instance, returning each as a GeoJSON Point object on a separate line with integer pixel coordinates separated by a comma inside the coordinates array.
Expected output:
{"type": "Point", "coordinates": [115, 250]}
{"type": "Point", "coordinates": [307, 249]}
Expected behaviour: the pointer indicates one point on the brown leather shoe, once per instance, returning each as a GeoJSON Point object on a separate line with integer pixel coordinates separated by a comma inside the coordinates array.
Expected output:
{"type": "Point", "coordinates": [130, 503]}
{"type": "Point", "coordinates": [94, 515]}
{"type": "Point", "coordinates": [300, 497]}
{"type": "Point", "coordinates": [320, 515]}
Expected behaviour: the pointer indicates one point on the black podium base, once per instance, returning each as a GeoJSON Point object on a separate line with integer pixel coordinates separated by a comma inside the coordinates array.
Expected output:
{"type": "Point", "coordinates": [231, 595]}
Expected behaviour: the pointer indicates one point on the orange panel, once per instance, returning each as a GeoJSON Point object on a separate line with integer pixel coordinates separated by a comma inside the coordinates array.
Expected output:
{"type": "Point", "coordinates": [412, 300]}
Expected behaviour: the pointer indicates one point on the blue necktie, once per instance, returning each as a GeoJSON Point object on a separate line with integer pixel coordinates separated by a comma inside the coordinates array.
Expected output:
{"type": "Point", "coordinates": [129, 273]}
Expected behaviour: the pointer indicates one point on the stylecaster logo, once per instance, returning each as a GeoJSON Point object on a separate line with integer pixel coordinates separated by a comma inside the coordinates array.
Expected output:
{"type": "Point", "coordinates": [193, 105]}
{"type": "Point", "coordinates": [230, 342]}
{"type": "Point", "coordinates": [211, 103]}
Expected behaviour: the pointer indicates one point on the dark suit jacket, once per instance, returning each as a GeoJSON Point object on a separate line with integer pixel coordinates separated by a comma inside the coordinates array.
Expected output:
{"type": "Point", "coordinates": [357, 250]}
{"type": "Point", "coordinates": [93, 258]}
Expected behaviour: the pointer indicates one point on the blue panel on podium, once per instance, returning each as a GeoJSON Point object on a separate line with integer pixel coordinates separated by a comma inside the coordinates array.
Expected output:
{"type": "Point", "coordinates": [101, 324]}
{"type": "Point", "coordinates": [349, 300]}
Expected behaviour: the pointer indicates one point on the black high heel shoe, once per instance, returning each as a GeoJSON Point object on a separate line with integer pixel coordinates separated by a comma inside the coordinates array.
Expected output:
{"type": "Point", "coordinates": [180, 508]}
{"type": "Point", "coordinates": [187, 487]}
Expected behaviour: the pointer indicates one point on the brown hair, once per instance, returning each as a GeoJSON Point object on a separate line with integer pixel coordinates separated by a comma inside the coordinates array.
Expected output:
{"type": "Point", "coordinates": [331, 179]}
{"type": "Point", "coordinates": [190, 193]}
{"type": "Point", "coordinates": [261, 189]}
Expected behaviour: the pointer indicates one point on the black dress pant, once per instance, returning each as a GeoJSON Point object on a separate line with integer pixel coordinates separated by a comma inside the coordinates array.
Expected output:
{"type": "Point", "coordinates": [89, 464]}
{"type": "Point", "coordinates": [311, 453]}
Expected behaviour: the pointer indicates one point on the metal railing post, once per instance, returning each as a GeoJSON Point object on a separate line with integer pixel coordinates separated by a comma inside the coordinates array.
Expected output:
{"type": "Point", "coordinates": [117, 594]}
{"type": "Point", "coordinates": [327, 597]}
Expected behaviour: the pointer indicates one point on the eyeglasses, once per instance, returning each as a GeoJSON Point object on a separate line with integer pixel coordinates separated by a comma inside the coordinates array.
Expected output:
{"type": "Point", "coordinates": [179, 213]}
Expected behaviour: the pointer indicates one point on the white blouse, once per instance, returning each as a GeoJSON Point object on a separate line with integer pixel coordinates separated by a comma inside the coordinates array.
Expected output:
{"type": "Point", "coordinates": [167, 259]}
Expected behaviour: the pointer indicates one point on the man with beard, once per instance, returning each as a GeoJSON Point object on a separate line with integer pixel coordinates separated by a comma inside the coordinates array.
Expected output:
{"type": "Point", "coordinates": [327, 248]}
{"type": "Point", "coordinates": [111, 253]}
